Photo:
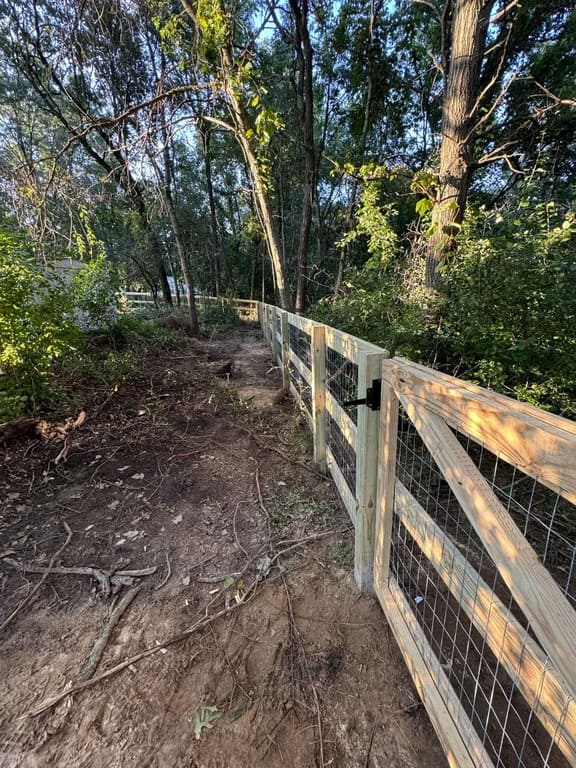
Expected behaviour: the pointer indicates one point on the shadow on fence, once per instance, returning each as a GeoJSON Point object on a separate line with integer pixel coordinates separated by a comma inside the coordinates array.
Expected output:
{"type": "Point", "coordinates": [465, 528]}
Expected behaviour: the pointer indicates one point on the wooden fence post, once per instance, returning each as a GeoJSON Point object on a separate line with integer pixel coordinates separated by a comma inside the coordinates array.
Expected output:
{"type": "Point", "coordinates": [386, 484]}
{"type": "Point", "coordinates": [369, 367]}
{"type": "Point", "coordinates": [318, 349]}
{"type": "Point", "coordinates": [285, 350]}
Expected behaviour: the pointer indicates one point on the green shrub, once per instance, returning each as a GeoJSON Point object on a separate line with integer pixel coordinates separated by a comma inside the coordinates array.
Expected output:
{"type": "Point", "coordinates": [36, 325]}
{"type": "Point", "coordinates": [218, 315]}
{"type": "Point", "coordinates": [509, 318]}
{"type": "Point", "coordinates": [95, 292]}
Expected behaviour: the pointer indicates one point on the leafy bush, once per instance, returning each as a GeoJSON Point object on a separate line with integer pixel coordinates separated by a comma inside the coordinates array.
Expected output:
{"type": "Point", "coordinates": [219, 315]}
{"type": "Point", "coordinates": [95, 291]}
{"type": "Point", "coordinates": [36, 325]}
{"type": "Point", "coordinates": [509, 319]}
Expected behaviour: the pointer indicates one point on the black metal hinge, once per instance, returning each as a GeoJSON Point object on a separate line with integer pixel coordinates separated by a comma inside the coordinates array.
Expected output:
{"type": "Point", "coordinates": [372, 399]}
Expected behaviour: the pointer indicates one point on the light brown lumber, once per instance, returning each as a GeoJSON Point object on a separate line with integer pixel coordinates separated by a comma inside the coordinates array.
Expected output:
{"type": "Point", "coordinates": [509, 403]}
{"type": "Point", "coordinates": [550, 614]}
{"type": "Point", "coordinates": [386, 481]}
{"type": "Point", "coordinates": [539, 444]}
{"type": "Point", "coordinates": [443, 708]}
{"type": "Point", "coordinates": [341, 485]}
{"type": "Point", "coordinates": [285, 349]}
{"type": "Point", "coordinates": [347, 427]}
{"type": "Point", "coordinates": [319, 395]}
{"type": "Point", "coordinates": [540, 685]}
{"type": "Point", "coordinates": [367, 430]}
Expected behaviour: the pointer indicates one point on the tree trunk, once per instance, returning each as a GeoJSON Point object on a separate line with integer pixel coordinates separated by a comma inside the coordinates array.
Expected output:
{"type": "Point", "coordinates": [459, 114]}
{"type": "Point", "coordinates": [175, 224]}
{"type": "Point", "coordinates": [205, 134]}
{"type": "Point", "coordinates": [304, 55]}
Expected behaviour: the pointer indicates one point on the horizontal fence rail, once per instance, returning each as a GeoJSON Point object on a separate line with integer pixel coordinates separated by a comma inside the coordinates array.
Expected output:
{"type": "Point", "coordinates": [463, 504]}
{"type": "Point", "coordinates": [475, 565]}
{"type": "Point", "coordinates": [247, 309]}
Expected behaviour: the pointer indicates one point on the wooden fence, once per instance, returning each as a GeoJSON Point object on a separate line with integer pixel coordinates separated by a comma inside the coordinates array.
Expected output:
{"type": "Point", "coordinates": [465, 528]}
{"type": "Point", "coordinates": [246, 308]}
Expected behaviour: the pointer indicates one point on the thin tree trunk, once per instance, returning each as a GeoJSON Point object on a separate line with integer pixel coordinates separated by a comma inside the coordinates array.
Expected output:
{"type": "Point", "coordinates": [304, 56]}
{"type": "Point", "coordinates": [205, 134]}
{"type": "Point", "coordinates": [459, 110]}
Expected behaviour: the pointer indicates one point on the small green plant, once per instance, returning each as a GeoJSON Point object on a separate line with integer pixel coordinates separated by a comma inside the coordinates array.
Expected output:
{"type": "Point", "coordinates": [295, 508]}
{"type": "Point", "coordinates": [343, 551]}
{"type": "Point", "coordinates": [204, 718]}
{"type": "Point", "coordinates": [219, 315]}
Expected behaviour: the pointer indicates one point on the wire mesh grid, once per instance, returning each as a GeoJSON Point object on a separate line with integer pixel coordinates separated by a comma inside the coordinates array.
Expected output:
{"type": "Point", "coordinates": [342, 380]}
{"type": "Point", "coordinates": [487, 692]}
{"type": "Point", "coordinates": [302, 386]}
{"type": "Point", "coordinates": [279, 348]}
{"type": "Point", "coordinates": [344, 454]}
{"type": "Point", "coordinates": [300, 343]}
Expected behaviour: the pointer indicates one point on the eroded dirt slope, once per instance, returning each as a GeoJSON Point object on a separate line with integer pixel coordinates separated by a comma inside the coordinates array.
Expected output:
{"type": "Point", "coordinates": [208, 481]}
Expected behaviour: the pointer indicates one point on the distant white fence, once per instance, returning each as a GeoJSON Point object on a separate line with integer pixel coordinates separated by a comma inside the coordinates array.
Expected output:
{"type": "Point", "coordinates": [246, 308]}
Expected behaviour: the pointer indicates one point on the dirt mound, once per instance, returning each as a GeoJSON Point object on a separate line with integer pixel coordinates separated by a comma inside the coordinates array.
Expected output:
{"type": "Point", "coordinates": [204, 487]}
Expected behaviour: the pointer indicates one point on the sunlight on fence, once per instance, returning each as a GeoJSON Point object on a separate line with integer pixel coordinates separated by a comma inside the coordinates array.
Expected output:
{"type": "Point", "coordinates": [465, 526]}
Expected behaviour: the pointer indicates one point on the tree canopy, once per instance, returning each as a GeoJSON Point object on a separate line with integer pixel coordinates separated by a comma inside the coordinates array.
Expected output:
{"type": "Point", "coordinates": [403, 169]}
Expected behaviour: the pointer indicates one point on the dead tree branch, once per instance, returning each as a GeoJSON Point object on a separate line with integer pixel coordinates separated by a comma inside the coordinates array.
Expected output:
{"type": "Point", "coordinates": [47, 572]}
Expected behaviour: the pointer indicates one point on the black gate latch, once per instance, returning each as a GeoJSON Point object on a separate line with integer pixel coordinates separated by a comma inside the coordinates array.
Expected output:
{"type": "Point", "coordinates": [372, 399]}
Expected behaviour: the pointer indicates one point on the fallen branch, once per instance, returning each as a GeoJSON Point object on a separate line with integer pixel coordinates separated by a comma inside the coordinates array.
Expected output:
{"type": "Point", "coordinates": [168, 574]}
{"type": "Point", "coordinates": [47, 571]}
{"type": "Point", "coordinates": [102, 641]}
{"type": "Point", "coordinates": [298, 634]}
{"type": "Point", "coordinates": [12, 429]}
{"type": "Point", "coordinates": [106, 579]}
{"type": "Point", "coordinates": [77, 687]}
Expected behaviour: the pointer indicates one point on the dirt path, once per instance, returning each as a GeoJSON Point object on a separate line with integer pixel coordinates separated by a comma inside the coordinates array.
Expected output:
{"type": "Point", "coordinates": [179, 471]}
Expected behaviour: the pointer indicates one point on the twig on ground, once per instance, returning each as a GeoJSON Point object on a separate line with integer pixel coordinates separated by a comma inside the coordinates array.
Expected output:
{"type": "Point", "coordinates": [369, 750]}
{"type": "Point", "coordinates": [47, 571]}
{"type": "Point", "coordinates": [262, 505]}
{"type": "Point", "coordinates": [308, 672]}
{"type": "Point", "coordinates": [102, 641]}
{"type": "Point", "coordinates": [285, 456]}
{"type": "Point", "coordinates": [217, 579]}
{"type": "Point", "coordinates": [200, 624]}
{"type": "Point", "coordinates": [168, 574]}
{"type": "Point", "coordinates": [104, 578]}
{"type": "Point", "coordinates": [236, 539]}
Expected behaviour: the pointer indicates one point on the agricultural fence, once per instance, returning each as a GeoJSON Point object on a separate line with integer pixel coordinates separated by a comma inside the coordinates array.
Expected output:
{"type": "Point", "coordinates": [463, 504]}
{"type": "Point", "coordinates": [246, 308]}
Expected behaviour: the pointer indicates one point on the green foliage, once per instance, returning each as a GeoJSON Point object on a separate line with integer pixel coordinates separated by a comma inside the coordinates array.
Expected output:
{"type": "Point", "coordinates": [219, 315]}
{"type": "Point", "coordinates": [204, 718]}
{"type": "Point", "coordinates": [120, 359]}
{"type": "Point", "coordinates": [509, 318]}
{"type": "Point", "coordinates": [36, 325]}
{"type": "Point", "coordinates": [374, 220]}
{"type": "Point", "coordinates": [95, 290]}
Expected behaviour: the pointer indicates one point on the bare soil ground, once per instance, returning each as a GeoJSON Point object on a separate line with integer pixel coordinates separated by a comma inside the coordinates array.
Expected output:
{"type": "Point", "coordinates": [209, 481]}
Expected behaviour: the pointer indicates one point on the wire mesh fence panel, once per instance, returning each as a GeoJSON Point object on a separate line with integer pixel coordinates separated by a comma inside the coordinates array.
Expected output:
{"type": "Point", "coordinates": [278, 338]}
{"type": "Point", "coordinates": [301, 386]}
{"type": "Point", "coordinates": [476, 632]}
{"type": "Point", "coordinates": [342, 380]}
{"type": "Point", "coordinates": [343, 453]}
{"type": "Point", "coordinates": [300, 344]}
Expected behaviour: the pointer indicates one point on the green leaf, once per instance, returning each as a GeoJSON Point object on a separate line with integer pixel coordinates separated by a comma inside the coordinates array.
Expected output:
{"type": "Point", "coordinates": [424, 206]}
